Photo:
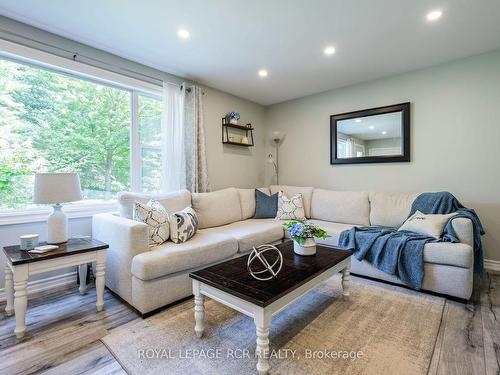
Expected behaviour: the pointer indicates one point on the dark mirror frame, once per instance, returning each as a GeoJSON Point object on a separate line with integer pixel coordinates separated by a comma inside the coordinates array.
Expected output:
{"type": "Point", "coordinates": [405, 135]}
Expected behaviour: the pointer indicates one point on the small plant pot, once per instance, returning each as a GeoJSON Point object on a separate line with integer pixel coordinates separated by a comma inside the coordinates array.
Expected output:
{"type": "Point", "coordinates": [308, 247]}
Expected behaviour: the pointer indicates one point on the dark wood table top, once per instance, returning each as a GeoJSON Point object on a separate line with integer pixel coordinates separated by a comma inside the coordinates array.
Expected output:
{"type": "Point", "coordinates": [73, 246]}
{"type": "Point", "coordinates": [233, 277]}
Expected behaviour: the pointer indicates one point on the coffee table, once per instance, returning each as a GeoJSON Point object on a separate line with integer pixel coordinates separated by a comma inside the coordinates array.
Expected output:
{"type": "Point", "coordinates": [231, 284]}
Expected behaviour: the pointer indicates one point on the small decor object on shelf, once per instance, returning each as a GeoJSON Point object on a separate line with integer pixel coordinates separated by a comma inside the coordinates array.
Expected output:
{"type": "Point", "coordinates": [28, 241]}
{"type": "Point", "coordinates": [303, 234]}
{"type": "Point", "coordinates": [244, 140]}
{"type": "Point", "coordinates": [270, 259]}
{"type": "Point", "coordinates": [233, 117]}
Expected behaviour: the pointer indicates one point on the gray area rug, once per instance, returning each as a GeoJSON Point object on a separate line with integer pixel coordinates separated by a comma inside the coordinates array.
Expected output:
{"type": "Point", "coordinates": [379, 329]}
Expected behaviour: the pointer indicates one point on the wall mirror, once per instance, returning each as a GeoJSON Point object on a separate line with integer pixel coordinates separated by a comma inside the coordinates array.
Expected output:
{"type": "Point", "coordinates": [377, 135]}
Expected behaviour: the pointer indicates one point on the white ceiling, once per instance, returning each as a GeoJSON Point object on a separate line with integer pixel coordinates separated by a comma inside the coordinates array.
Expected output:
{"type": "Point", "coordinates": [232, 39]}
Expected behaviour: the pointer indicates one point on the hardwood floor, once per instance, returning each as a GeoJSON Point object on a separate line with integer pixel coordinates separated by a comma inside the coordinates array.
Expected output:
{"type": "Point", "coordinates": [64, 330]}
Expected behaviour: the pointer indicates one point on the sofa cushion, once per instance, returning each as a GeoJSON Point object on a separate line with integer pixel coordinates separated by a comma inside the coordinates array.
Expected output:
{"type": "Point", "coordinates": [390, 209]}
{"type": "Point", "coordinates": [174, 201]}
{"type": "Point", "coordinates": [217, 208]}
{"type": "Point", "coordinates": [333, 230]}
{"type": "Point", "coordinates": [349, 207]}
{"type": "Point", "coordinates": [451, 254]}
{"type": "Point", "coordinates": [247, 201]}
{"type": "Point", "coordinates": [203, 249]}
{"type": "Point", "coordinates": [290, 191]}
{"type": "Point", "coordinates": [252, 232]}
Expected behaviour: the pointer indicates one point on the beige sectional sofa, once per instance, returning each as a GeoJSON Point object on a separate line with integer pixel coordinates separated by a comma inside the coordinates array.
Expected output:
{"type": "Point", "coordinates": [149, 278]}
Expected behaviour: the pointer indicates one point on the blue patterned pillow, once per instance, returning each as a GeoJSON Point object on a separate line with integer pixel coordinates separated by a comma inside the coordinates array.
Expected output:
{"type": "Point", "coordinates": [266, 206]}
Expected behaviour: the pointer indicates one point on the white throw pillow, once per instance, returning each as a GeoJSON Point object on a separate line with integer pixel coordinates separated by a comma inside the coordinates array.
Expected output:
{"type": "Point", "coordinates": [156, 217]}
{"type": "Point", "coordinates": [429, 225]}
{"type": "Point", "coordinates": [290, 209]}
{"type": "Point", "coordinates": [183, 225]}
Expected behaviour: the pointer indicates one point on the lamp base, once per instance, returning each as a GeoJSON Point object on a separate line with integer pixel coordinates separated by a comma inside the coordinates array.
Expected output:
{"type": "Point", "coordinates": [57, 226]}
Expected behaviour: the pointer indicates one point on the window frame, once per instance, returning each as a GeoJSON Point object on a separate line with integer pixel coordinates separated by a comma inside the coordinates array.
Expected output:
{"type": "Point", "coordinates": [43, 60]}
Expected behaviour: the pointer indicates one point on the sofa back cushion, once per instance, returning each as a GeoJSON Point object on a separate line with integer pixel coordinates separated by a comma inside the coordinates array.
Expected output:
{"type": "Point", "coordinates": [349, 207]}
{"type": "Point", "coordinates": [290, 191]}
{"type": "Point", "coordinates": [247, 201]}
{"type": "Point", "coordinates": [217, 208]}
{"type": "Point", "coordinates": [390, 209]}
{"type": "Point", "coordinates": [174, 201]}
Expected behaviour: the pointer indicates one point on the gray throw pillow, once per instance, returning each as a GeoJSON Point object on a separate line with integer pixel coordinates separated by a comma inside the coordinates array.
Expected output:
{"type": "Point", "coordinates": [266, 206]}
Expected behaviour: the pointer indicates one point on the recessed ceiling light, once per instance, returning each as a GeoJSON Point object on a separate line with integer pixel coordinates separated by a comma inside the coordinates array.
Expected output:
{"type": "Point", "coordinates": [262, 73]}
{"type": "Point", "coordinates": [329, 50]}
{"type": "Point", "coordinates": [372, 127]}
{"type": "Point", "coordinates": [358, 120]}
{"type": "Point", "coordinates": [434, 15]}
{"type": "Point", "coordinates": [384, 132]}
{"type": "Point", "coordinates": [183, 33]}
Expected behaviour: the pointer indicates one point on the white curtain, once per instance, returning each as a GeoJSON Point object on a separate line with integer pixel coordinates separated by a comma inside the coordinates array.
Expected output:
{"type": "Point", "coordinates": [195, 152]}
{"type": "Point", "coordinates": [172, 124]}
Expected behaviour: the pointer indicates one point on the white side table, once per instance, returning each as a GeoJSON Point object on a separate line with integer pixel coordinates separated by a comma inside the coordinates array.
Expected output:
{"type": "Point", "coordinates": [21, 264]}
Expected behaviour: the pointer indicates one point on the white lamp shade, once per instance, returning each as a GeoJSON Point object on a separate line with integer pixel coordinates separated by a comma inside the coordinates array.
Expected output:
{"type": "Point", "coordinates": [53, 188]}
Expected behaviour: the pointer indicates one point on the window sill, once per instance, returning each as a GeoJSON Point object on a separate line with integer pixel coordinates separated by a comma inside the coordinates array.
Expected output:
{"type": "Point", "coordinates": [39, 215]}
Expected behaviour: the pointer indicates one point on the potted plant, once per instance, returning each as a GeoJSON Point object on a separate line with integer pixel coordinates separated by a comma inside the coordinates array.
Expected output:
{"type": "Point", "coordinates": [233, 117]}
{"type": "Point", "coordinates": [303, 234]}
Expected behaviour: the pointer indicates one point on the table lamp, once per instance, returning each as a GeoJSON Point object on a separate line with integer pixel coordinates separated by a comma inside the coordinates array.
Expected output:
{"type": "Point", "coordinates": [57, 188]}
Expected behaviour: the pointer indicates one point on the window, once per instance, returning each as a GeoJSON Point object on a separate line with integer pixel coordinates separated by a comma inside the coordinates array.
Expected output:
{"type": "Point", "coordinates": [54, 122]}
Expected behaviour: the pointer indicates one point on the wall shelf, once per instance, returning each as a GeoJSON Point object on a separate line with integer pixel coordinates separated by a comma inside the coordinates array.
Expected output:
{"type": "Point", "coordinates": [234, 138]}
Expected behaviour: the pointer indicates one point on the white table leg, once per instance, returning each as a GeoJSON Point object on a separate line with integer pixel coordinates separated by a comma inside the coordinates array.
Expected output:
{"type": "Point", "coordinates": [199, 310]}
{"type": "Point", "coordinates": [99, 278]}
{"type": "Point", "coordinates": [9, 290]}
{"type": "Point", "coordinates": [20, 298]}
{"type": "Point", "coordinates": [82, 274]}
{"type": "Point", "coordinates": [262, 319]}
{"type": "Point", "coordinates": [345, 279]}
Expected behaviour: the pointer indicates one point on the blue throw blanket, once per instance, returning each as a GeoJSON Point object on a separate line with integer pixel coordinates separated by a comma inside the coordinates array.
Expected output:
{"type": "Point", "coordinates": [445, 203]}
{"type": "Point", "coordinates": [401, 253]}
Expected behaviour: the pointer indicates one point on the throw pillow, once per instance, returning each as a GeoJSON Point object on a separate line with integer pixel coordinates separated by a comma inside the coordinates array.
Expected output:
{"type": "Point", "coordinates": [157, 219]}
{"type": "Point", "coordinates": [429, 225]}
{"type": "Point", "coordinates": [183, 225]}
{"type": "Point", "coordinates": [290, 209]}
{"type": "Point", "coordinates": [266, 206]}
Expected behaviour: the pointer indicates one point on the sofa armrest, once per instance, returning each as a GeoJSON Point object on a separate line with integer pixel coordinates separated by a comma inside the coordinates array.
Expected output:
{"type": "Point", "coordinates": [464, 230]}
{"type": "Point", "coordinates": [126, 238]}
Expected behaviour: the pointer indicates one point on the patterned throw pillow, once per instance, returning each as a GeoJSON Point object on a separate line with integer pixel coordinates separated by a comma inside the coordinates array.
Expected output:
{"type": "Point", "coordinates": [290, 209]}
{"type": "Point", "coordinates": [183, 225]}
{"type": "Point", "coordinates": [156, 217]}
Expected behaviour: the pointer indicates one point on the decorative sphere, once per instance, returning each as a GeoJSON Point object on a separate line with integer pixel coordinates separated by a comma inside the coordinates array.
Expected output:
{"type": "Point", "coordinates": [264, 262]}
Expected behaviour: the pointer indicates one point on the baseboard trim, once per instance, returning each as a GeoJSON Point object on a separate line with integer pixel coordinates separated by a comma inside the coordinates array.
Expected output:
{"type": "Point", "coordinates": [492, 265]}
{"type": "Point", "coordinates": [47, 283]}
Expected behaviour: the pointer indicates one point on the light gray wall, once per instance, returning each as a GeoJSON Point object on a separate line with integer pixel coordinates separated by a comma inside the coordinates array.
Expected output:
{"type": "Point", "coordinates": [455, 122]}
{"type": "Point", "coordinates": [227, 165]}
{"type": "Point", "coordinates": [230, 165]}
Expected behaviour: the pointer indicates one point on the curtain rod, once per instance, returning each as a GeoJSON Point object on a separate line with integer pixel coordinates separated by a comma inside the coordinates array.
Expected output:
{"type": "Point", "coordinates": [75, 56]}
